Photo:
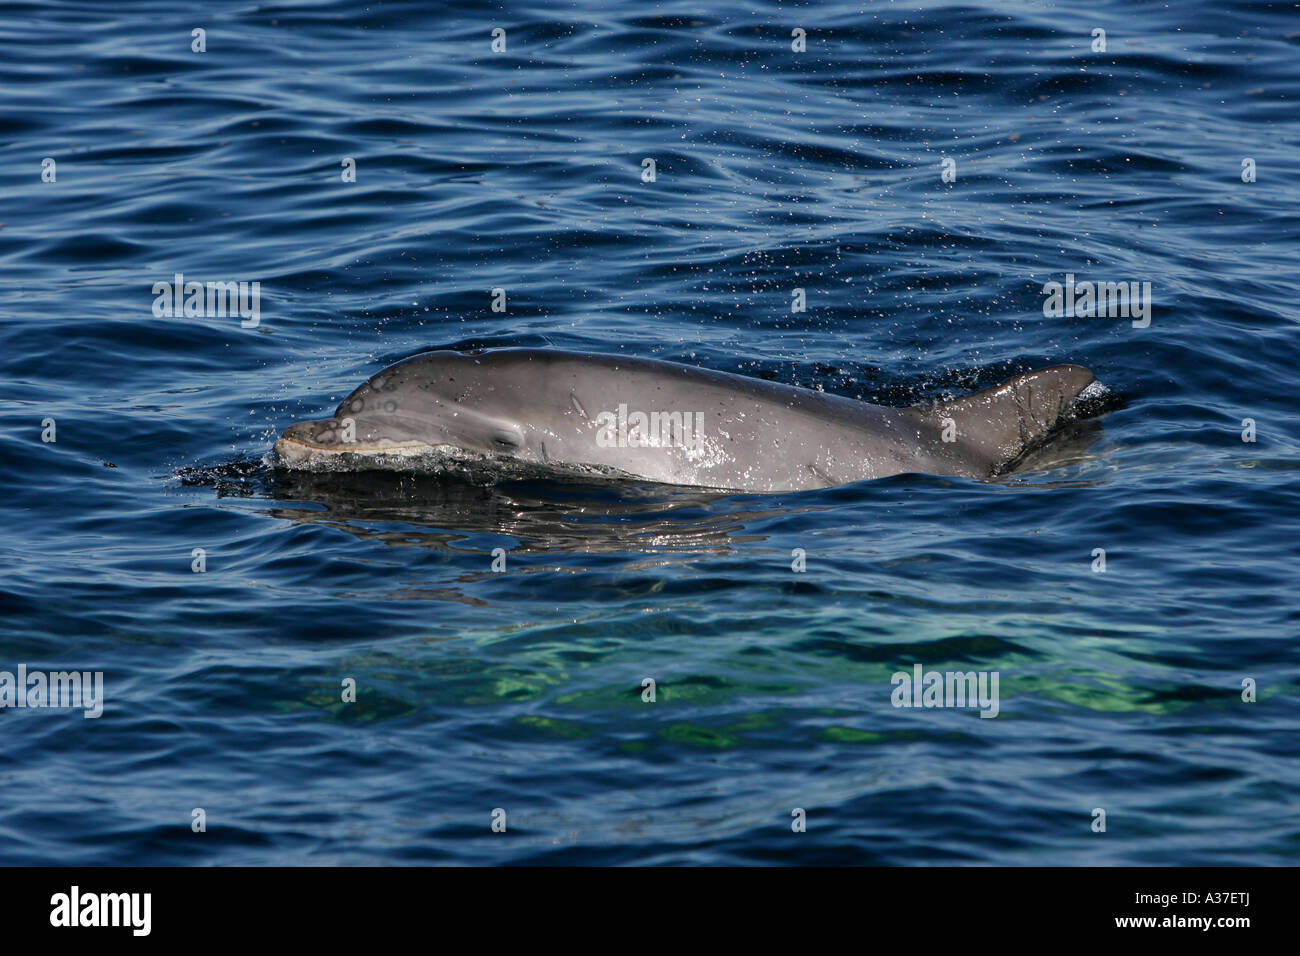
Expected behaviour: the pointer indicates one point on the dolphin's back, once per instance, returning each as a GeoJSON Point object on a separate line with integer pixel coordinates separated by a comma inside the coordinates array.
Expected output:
{"type": "Point", "coordinates": [762, 435]}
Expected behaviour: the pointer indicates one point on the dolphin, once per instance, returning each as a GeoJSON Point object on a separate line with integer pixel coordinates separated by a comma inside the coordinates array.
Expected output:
{"type": "Point", "coordinates": [593, 414]}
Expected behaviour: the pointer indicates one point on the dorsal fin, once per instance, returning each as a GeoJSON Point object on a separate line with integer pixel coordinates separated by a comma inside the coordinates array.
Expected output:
{"type": "Point", "coordinates": [998, 424]}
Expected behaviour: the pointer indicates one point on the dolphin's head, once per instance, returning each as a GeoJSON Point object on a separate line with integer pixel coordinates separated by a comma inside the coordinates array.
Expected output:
{"type": "Point", "coordinates": [437, 401]}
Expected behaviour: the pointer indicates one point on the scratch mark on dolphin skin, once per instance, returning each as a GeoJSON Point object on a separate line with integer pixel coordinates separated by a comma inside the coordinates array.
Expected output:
{"type": "Point", "coordinates": [578, 405]}
{"type": "Point", "coordinates": [545, 457]}
{"type": "Point", "coordinates": [1020, 413]}
{"type": "Point", "coordinates": [821, 475]}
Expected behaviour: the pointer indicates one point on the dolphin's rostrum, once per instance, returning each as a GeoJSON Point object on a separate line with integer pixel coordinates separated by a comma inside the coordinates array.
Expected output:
{"type": "Point", "coordinates": [676, 424]}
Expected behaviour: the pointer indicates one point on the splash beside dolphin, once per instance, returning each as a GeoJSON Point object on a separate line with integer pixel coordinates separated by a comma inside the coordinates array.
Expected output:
{"type": "Point", "coordinates": [675, 424]}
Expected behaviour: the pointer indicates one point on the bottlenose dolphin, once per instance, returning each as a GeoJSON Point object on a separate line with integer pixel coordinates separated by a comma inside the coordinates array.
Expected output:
{"type": "Point", "coordinates": [675, 424]}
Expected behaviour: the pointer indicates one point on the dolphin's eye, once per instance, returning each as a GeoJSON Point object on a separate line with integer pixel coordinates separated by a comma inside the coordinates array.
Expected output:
{"type": "Point", "coordinates": [506, 440]}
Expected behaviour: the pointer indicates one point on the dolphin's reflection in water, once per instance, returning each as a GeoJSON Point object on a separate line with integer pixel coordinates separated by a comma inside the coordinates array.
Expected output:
{"type": "Point", "coordinates": [541, 516]}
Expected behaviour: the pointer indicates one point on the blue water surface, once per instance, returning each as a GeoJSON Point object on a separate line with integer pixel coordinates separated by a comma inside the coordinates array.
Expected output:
{"type": "Point", "coordinates": [1120, 690]}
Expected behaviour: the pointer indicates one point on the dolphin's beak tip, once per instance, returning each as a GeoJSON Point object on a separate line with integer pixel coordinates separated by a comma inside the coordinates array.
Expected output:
{"type": "Point", "coordinates": [286, 449]}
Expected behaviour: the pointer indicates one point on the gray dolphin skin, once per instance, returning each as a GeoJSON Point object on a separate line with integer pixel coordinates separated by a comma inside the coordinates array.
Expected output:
{"type": "Point", "coordinates": [675, 424]}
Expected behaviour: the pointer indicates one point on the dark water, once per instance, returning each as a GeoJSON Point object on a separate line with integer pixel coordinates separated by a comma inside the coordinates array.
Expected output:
{"type": "Point", "coordinates": [521, 690]}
